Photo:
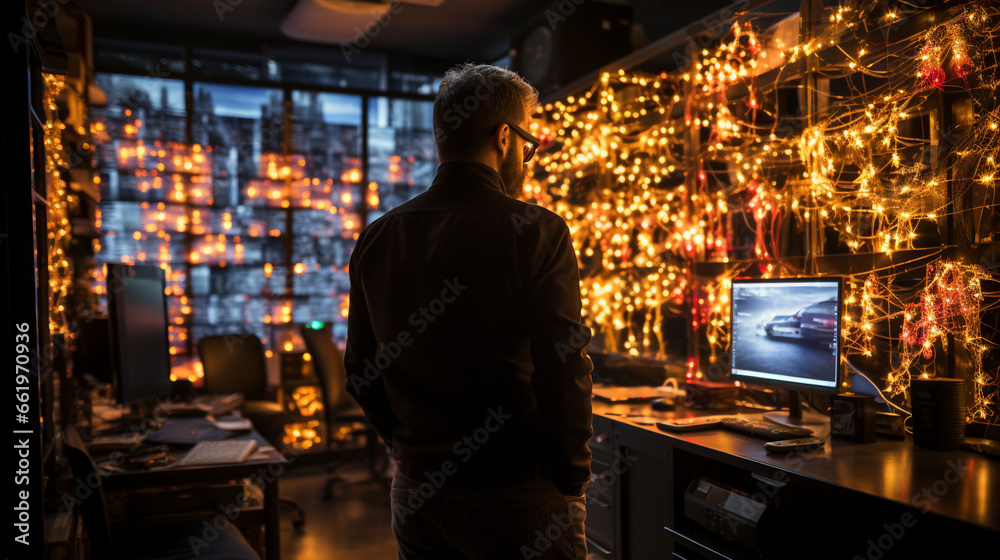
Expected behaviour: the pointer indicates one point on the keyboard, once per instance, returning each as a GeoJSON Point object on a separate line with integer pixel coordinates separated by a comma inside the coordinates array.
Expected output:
{"type": "Point", "coordinates": [186, 431]}
{"type": "Point", "coordinates": [203, 405]}
{"type": "Point", "coordinates": [762, 429]}
{"type": "Point", "coordinates": [981, 445]}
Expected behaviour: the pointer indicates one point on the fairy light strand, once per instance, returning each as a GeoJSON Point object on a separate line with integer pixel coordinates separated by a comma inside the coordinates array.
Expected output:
{"type": "Point", "coordinates": [617, 165]}
{"type": "Point", "coordinates": [60, 271]}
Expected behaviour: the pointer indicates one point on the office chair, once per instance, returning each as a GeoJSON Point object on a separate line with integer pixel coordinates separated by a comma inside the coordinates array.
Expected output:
{"type": "Point", "coordinates": [235, 363]}
{"type": "Point", "coordinates": [169, 541]}
{"type": "Point", "coordinates": [339, 408]}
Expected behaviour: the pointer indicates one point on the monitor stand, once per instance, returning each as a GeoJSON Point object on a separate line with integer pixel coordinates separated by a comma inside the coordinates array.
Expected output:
{"type": "Point", "coordinates": [140, 418]}
{"type": "Point", "coordinates": [795, 417]}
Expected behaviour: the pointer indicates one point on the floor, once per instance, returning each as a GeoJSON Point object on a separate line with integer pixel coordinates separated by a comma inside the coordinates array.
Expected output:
{"type": "Point", "coordinates": [354, 525]}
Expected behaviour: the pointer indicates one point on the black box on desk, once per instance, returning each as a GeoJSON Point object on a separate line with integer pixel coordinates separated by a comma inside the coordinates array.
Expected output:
{"type": "Point", "coordinates": [852, 417]}
{"type": "Point", "coordinates": [710, 395]}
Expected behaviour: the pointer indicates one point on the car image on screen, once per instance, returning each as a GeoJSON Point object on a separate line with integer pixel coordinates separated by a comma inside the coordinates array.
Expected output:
{"type": "Point", "coordinates": [816, 323]}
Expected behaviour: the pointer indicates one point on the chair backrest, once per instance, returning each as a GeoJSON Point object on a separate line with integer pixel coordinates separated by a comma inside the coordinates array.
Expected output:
{"type": "Point", "coordinates": [329, 365]}
{"type": "Point", "coordinates": [234, 363]}
{"type": "Point", "coordinates": [89, 492]}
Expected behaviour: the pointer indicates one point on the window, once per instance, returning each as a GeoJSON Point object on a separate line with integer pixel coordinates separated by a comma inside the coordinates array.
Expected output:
{"type": "Point", "coordinates": [224, 64]}
{"type": "Point", "coordinates": [251, 197]}
{"type": "Point", "coordinates": [143, 164]}
{"type": "Point", "coordinates": [162, 61]}
{"type": "Point", "coordinates": [402, 156]}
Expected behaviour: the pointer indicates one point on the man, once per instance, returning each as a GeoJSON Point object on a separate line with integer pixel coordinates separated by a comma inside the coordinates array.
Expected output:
{"type": "Point", "coordinates": [465, 347]}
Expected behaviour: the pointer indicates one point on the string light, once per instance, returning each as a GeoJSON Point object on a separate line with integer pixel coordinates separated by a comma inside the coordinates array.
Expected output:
{"type": "Point", "coordinates": [652, 172]}
{"type": "Point", "coordinates": [949, 304]}
{"type": "Point", "coordinates": [60, 271]}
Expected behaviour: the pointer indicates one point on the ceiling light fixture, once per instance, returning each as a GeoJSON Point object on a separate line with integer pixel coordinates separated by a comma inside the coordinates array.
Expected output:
{"type": "Point", "coordinates": [341, 21]}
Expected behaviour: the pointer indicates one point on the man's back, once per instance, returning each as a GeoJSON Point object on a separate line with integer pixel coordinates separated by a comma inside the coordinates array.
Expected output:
{"type": "Point", "coordinates": [464, 342]}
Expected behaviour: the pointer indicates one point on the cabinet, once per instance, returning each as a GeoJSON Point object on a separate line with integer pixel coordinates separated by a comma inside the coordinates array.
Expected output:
{"type": "Point", "coordinates": [601, 490]}
{"type": "Point", "coordinates": [645, 494]}
{"type": "Point", "coordinates": [628, 499]}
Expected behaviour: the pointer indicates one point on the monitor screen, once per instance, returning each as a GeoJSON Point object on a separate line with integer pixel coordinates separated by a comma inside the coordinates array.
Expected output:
{"type": "Point", "coordinates": [138, 329]}
{"type": "Point", "coordinates": [786, 332]}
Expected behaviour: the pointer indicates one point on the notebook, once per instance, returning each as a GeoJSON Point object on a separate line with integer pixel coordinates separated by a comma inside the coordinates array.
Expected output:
{"type": "Point", "coordinates": [217, 452]}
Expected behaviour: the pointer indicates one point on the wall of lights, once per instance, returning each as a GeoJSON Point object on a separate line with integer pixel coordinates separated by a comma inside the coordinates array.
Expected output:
{"type": "Point", "coordinates": [852, 141]}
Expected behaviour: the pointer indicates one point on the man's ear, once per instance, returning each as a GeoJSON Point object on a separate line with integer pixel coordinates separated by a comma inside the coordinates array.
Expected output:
{"type": "Point", "coordinates": [501, 138]}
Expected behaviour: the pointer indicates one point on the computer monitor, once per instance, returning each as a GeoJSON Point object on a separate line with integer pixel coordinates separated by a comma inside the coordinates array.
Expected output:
{"type": "Point", "coordinates": [786, 333]}
{"type": "Point", "coordinates": [138, 329]}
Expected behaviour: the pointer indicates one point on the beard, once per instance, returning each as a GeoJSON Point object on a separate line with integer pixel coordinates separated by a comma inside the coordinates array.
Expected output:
{"type": "Point", "coordinates": [512, 172]}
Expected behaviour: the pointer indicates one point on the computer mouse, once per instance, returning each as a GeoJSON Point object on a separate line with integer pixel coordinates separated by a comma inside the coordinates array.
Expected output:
{"type": "Point", "coordinates": [663, 404]}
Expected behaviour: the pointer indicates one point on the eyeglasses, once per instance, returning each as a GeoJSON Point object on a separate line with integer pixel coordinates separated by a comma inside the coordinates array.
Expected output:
{"type": "Point", "coordinates": [532, 141]}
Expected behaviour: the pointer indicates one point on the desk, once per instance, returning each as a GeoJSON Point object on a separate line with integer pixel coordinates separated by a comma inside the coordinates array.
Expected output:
{"type": "Point", "coordinates": [265, 465]}
{"type": "Point", "coordinates": [844, 501]}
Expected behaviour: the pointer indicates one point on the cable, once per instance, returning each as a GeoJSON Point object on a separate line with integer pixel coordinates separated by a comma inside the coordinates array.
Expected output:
{"type": "Point", "coordinates": [903, 410]}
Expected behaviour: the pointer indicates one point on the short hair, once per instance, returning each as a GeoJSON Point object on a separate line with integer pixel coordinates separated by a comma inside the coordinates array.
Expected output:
{"type": "Point", "coordinates": [474, 99]}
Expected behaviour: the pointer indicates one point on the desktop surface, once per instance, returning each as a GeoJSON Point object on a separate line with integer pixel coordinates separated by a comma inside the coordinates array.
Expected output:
{"type": "Point", "coordinates": [115, 461]}
{"type": "Point", "coordinates": [114, 440]}
{"type": "Point", "coordinates": [892, 470]}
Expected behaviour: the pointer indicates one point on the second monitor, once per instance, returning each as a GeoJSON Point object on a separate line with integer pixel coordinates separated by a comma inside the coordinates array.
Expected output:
{"type": "Point", "coordinates": [139, 333]}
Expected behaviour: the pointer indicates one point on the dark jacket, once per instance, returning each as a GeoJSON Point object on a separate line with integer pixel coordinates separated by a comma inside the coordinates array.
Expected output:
{"type": "Point", "coordinates": [464, 345]}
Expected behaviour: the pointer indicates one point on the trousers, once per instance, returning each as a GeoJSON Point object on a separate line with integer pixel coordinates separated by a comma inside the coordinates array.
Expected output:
{"type": "Point", "coordinates": [527, 521]}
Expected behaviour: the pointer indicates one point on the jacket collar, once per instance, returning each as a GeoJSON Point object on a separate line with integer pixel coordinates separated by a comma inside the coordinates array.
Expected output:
{"type": "Point", "coordinates": [467, 174]}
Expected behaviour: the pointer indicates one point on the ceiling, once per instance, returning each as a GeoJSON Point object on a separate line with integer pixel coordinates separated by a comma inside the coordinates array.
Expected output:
{"type": "Point", "coordinates": [475, 30]}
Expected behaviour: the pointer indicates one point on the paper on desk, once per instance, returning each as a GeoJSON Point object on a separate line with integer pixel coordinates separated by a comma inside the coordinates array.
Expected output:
{"type": "Point", "coordinates": [234, 423]}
